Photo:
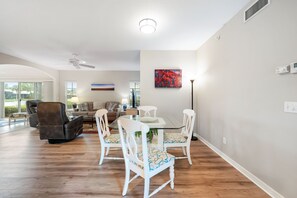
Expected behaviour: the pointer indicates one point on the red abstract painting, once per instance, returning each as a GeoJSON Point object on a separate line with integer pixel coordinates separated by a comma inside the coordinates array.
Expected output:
{"type": "Point", "coordinates": [168, 78]}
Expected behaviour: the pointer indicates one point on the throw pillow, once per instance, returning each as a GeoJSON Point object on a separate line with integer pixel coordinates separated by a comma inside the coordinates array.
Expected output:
{"type": "Point", "coordinates": [84, 107]}
{"type": "Point", "coordinates": [113, 106]}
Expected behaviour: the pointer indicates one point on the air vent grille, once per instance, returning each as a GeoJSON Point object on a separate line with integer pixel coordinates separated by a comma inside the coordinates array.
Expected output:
{"type": "Point", "coordinates": [255, 8]}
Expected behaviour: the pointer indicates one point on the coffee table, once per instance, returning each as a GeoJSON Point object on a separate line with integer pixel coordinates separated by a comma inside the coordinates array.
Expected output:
{"type": "Point", "coordinates": [19, 115]}
{"type": "Point", "coordinates": [89, 120]}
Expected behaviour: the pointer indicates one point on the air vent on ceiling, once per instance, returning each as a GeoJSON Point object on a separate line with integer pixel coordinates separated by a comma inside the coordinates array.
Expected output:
{"type": "Point", "coordinates": [255, 8]}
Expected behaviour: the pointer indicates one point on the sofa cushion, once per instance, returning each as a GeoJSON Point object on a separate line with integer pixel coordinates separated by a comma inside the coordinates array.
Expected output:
{"type": "Point", "coordinates": [91, 113]}
{"type": "Point", "coordinates": [97, 105]}
{"type": "Point", "coordinates": [84, 106]}
{"type": "Point", "coordinates": [111, 106]}
{"type": "Point", "coordinates": [78, 113]}
{"type": "Point", "coordinates": [90, 106]}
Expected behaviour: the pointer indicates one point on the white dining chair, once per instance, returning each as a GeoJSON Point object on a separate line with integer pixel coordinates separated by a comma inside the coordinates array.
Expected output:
{"type": "Point", "coordinates": [182, 139]}
{"type": "Point", "coordinates": [147, 111]}
{"type": "Point", "coordinates": [107, 139]}
{"type": "Point", "coordinates": [143, 161]}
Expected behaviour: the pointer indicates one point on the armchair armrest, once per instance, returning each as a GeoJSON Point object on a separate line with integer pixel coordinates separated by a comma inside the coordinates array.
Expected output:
{"type": "Point", "coordinates": [74, 127]}
{"type": "Point", "coordinates": [75, 122]}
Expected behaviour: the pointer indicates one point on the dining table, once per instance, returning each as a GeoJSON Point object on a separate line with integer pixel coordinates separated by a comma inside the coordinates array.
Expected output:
{"type": "Point", "coordinates": [162, 124]}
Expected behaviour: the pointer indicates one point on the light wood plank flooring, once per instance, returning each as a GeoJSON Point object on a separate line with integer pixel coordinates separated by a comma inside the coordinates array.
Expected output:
{"type": "Point", "coordinates": [31, 168]}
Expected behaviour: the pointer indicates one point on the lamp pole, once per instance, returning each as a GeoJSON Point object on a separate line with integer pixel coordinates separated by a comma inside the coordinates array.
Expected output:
{"type": "Point", "coordinates": [192, 106]}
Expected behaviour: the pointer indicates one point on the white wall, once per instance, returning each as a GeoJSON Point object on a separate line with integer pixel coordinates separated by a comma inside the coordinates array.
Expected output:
{"type": "Point", "coordinates": [242, 98]}
{"type": "Point", "coordinates": [168, 100]}
{"type": "Point", "coordinates": [5, 60]}
{"type": "Point", "coordinates": [84, 80]}
{"type": "Point", "coordinates": [47, 89]}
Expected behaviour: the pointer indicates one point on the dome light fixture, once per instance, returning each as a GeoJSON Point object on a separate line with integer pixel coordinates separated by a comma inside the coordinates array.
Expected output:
{"type": "Point", "coordinates": [147, 26]}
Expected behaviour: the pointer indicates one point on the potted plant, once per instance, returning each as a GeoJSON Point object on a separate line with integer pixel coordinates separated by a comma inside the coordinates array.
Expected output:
{"type": "Point", "coordinates": [149, 135]}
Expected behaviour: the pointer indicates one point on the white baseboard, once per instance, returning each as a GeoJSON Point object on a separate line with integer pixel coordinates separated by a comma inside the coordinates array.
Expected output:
{"type": "Point", "coordinates": [270, 191]}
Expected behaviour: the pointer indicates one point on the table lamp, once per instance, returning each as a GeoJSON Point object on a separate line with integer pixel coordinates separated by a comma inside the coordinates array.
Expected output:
{"type": "Point", "coordinates": [74, 101]}
{"type": "Point", "coordinates": [124, 103]}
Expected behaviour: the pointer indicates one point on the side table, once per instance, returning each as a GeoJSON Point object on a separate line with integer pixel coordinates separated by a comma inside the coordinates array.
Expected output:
{"type": "Point", "coordinates": [131, 111]}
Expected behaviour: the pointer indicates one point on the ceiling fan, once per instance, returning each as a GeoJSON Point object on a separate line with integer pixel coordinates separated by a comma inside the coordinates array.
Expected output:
{"type": "Point", "coordinates": [77, 63]}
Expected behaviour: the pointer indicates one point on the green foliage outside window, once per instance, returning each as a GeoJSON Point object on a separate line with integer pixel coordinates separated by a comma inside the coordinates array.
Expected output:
{"type": "Point", "coordinates": [13, 109]}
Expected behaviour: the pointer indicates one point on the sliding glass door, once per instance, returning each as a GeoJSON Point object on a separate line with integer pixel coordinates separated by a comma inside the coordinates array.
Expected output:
{"type": "Point", "coordinates": [17, 93]}
{"type": "Point", "coordinates": [11, 99]}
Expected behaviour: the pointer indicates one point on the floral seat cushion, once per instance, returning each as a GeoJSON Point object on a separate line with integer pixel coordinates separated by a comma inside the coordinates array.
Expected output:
{"type": "Point", "coordinates": [113, 138]}
{"type": "Point", "coordinates": [174, 138]}
{"type": "Point", "coordinates": [156, 158]}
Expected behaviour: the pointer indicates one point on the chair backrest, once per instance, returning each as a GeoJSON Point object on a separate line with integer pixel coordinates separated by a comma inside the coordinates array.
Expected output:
{"type": "Point", "coordinates": [130, 147]}
{"type": "Point", "coordinates": [188, 122]}
{"type": "Point", "coordinates": [147, 111]}
{"type": "Point", "coordinates": [102, 124]}
{"type": "Point", "coordinates": [52, 113]}
{"type": "Point", "coordinates": [31, 106]}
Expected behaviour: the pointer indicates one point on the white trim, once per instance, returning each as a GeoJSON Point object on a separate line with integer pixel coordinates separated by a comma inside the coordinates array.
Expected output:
{"type": "Point", "coordinates": [270, 191]}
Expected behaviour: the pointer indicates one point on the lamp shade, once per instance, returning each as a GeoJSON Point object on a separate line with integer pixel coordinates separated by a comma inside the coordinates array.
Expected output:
{"type": "Point", "coordinates": [124, 101]}
{"type": "Point", "coordinates": [74, 100]}
{"type": "Point", "coordinates": [147, 26]}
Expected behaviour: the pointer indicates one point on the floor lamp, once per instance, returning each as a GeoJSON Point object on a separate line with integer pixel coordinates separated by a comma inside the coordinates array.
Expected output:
{"type": "Point", "coordinates": [192, 81]}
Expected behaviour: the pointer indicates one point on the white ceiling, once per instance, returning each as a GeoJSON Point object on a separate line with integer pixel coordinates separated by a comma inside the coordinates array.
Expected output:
{"type": "Point", "coordinates": [105, 33]}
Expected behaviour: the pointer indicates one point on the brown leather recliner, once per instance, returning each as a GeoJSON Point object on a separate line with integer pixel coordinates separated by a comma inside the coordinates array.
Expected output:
{"type": "Point", "coordinates": [54, 124]}
{"type": "Point", "coordinates": [31, 106]}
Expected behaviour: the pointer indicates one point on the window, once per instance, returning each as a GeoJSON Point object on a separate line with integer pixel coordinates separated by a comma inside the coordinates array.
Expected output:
{"type": "Point", "coordinates": [134, 94]}
{"type": "Point", "coordinates": [17, 93]}
{"type": "Point", "coordinates": [70, 92]}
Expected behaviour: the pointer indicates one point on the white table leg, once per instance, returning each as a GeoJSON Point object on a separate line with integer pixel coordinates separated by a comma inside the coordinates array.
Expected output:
{"type": "Point", "coordinates": [161, 139]}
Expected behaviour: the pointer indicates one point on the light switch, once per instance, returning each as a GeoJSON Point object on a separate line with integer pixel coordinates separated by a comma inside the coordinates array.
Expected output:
{"type": "Point", "coordinates": [290, 107]}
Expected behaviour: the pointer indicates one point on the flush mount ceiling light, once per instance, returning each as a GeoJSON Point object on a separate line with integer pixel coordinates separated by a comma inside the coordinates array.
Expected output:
{"type": "Point", "coordinates": [147, 26]}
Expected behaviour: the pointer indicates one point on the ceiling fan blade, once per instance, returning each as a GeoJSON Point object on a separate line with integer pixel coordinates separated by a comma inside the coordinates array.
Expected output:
{"type": "Point", "coordinates": [85, 65]}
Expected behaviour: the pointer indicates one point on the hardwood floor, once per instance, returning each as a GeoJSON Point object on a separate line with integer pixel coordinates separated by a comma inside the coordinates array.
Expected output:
{"type": "Point", "coordinates": [31, 168]}
{"type": "Point", "coordinates": [5, 127]}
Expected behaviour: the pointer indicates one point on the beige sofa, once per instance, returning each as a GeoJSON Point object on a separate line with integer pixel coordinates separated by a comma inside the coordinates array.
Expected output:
{"type": "Point", "coordinates": [88, 110]}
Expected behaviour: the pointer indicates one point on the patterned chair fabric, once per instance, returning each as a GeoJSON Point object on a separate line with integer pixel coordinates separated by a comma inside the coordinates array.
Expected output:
{"type": "Point", "coordinates": [113, 138]}
{"type": "Point", "coordinates": [156, 158]}
{"type": "Point", "coordinates": [174, 138]}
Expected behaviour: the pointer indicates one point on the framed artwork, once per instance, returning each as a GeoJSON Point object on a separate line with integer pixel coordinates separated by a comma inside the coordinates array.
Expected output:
{"type": "Point", "coordinates": [168, 78]}
{"type": "Point", "coordinates": [102, 87]}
